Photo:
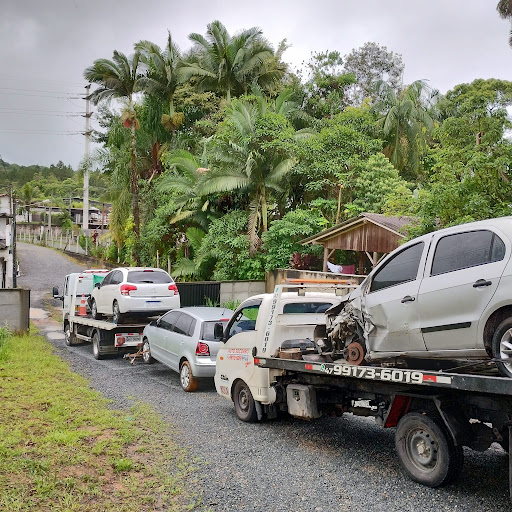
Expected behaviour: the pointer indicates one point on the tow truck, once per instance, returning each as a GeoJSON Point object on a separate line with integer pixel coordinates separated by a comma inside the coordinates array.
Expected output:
{"type": "Point", "coordinates": [107, 337]}
{"type": "Point", "coordinates": [270, 363]}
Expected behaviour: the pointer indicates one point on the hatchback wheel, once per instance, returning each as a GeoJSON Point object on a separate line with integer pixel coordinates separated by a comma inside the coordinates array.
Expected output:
{"type": "Point", "coordinates": [146, 352]}
{"type": "Point", "coordinates": [117, 316]}
{"type": "Point", "coordinates": [187, 380]}
{"type": "Point", "coordinates": [94, 311]}
{"type": "Point", "coordinates": [502, 347]}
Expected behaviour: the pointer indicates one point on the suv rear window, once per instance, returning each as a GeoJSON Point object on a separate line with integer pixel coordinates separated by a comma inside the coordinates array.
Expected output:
{"type": "Point", "coordinates": [149, 276]}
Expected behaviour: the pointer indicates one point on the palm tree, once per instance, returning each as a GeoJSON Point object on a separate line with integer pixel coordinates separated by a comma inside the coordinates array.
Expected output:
{"type": "Point", "coordinates": [402, 121]}
{"type": "Point", "coordinates": [504, 9]}
{"type": "Point", "coordinates": [161, 79]}
{"type": "Point", "coordinates": [246, 161]}
{"type": "Point", "coordinates": [119, 79]}
{"type": "Point", "coordinates": [229, 64]}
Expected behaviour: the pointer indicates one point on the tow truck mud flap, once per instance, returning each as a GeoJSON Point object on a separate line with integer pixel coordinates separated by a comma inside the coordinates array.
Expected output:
{"type": "Point", "coordinates": [301, 401]}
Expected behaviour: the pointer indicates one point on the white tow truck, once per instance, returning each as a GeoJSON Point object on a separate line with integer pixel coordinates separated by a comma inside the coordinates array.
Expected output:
{"type": "Point", "coordinates": [271, 362]}
{"type": "Point", "coordinates": [107, 337]}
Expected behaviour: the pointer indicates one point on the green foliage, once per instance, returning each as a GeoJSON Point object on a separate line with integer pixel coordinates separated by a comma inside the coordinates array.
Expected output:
{"type": "Point", "coordinates": [284, 236]}
{"type": "Point", "coordinates": [372, 185]}
{"type": "Point", "coordinates": [227, 244]}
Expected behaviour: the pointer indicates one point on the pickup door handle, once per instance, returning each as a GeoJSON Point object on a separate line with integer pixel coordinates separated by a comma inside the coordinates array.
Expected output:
{"type": "Point", "coordinates": [408, 298]}
{"type": "Point", "coordinates": [481, 282]}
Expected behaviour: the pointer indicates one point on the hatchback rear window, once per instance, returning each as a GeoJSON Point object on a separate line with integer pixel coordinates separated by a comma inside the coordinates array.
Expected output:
{"type": "Point", "coordinates": [207, 330]}
{"type": "Point", "coordinates": [155, 277]}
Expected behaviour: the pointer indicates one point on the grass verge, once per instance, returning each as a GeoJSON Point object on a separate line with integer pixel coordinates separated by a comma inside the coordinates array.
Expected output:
{"type": "Point", "coordinates": [63, 449]}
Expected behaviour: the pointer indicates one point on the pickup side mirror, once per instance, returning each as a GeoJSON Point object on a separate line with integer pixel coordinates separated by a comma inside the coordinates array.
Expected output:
{"type": "Point", "coordinates": [218, 331]}
{"type": "Point", "coordinates": [56, 295]}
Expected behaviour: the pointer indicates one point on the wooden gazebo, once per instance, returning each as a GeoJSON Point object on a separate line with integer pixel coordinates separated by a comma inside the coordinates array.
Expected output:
{"type": "Point", "coordinates": [371, 235]}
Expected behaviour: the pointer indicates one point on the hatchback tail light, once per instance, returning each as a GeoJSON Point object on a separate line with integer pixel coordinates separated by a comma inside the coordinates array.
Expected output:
{"type": "Point", "coordinates": [127, 288]}
{"type": "Point", "coordinates": [174, 288]}
{"type": "Point", "coordinates": [202, 349]}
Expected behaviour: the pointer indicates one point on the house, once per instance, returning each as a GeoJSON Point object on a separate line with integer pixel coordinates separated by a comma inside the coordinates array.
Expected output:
{"type": "Point", "coordinates": [6, 242]}
{"type": "Point", "coordinates": [370, 235]}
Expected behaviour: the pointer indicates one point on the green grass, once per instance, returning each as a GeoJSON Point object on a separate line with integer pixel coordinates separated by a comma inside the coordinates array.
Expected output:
{"type": "Point", "coordinates": [63, 448]}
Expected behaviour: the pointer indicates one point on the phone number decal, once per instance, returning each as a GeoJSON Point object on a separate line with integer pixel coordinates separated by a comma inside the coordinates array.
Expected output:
{"type": "Point", "coordinates": [386, 374]}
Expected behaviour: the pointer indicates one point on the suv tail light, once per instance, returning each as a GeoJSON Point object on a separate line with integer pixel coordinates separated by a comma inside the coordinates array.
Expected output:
{"type": "Point", "coordinates": [174, 288]}
{"type": "Point", "coordinates": [202, 349]}
{"type": "Point", "coordinates": [127, 288]}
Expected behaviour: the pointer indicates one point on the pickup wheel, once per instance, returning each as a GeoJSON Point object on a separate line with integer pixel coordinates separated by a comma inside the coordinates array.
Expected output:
{"type": "Point", "coordinates": [502, 347]}
{"type": "Point", "coordinates": [96, 346]}
{"type": "Point", "coordinates": [187, 380]}
{"type": "Point", "coordinates": [69, 336]}
{"type": "Point", "coordinates": [245, 407]}
{"type": "Point", "coordinates": [146, 352]}
{"type": "Point", "coordinates": [94, 311]}
{"type": "Point", "coordinates": [427, 450]}
{"type": "Point", "coordinates": [117, 316]}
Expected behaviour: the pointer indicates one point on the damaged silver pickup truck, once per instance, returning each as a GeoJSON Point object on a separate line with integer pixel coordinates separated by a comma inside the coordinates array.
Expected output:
{"type": "Point", "coordinates": [443, 296]}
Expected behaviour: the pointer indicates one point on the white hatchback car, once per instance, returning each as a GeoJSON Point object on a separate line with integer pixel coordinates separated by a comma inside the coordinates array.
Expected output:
{"type": "Point", "coordinates": [445, 295]}
{"type": "Point", "coordinates": [136, 291]}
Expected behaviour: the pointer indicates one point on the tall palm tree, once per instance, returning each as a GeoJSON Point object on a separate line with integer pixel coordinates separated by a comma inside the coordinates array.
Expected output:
{"type": "Point", "coordinates": [244, 161]}
{"type": "Point", "coordinates": [228, 64]}
{"type": "Point", "coordinates": [161, 79]}
{"type": "Point", "coordinates": [119, 79]}
{"type": "Point", "coordinates": [504, 9]}
{"type": "Point", "coordinates": [402, 120]}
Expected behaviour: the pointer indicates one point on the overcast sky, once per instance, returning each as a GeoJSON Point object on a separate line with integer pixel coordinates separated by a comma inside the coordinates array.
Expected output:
{"type": "Point", "coordinates": [46, 44]}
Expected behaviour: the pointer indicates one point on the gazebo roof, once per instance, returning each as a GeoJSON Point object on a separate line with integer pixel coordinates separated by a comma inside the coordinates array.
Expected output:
{"type": "Point", "coordinates": [366, 232]}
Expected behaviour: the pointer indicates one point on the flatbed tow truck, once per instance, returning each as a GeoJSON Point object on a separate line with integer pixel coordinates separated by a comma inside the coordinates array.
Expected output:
{"type": "Point", "coordinates": [435, 413]}
{"type": "Point", "coordinates": [107, 338]}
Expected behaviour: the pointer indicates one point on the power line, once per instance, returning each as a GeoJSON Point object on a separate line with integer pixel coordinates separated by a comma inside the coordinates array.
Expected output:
{"type": "Point", "coordinates": [41, 114]}
{"type": "Point", "coordinates": [45, 96]}
{"type": "Point", "coordinates": [36, 90]}
{"type": "Point", "coordinates": [39, 110]}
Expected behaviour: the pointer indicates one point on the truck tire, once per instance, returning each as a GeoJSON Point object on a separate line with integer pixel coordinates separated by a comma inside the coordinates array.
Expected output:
{"type": "Point", "coordinates": [96, 341]}
{"type": "Point", "coordinates": [146, 352]}
{"type": "Point", "coordinates": [187, 380]}
{"type": "Point", "coordinates": [502, 346]}
{"type": "Point", "coordinates": [69, 335]}
{"type": "Point", "coordinates": [245, 407]}
{"type": "Point", "coordinates": [117, 316]}
{"type": "Point", "coordinates": [427, 451]}
{"type": "Point", "coordinates": [94, 311]}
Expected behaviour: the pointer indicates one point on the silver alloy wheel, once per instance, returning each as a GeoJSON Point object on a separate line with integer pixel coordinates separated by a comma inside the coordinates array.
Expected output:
{"type": "Point", "coordinates": [506, 348]}
{"type": "Point", "coordinates": [185, 376]}
{"type": "Point", "coordinates": [94, 309]}
{"type": "Point", "coordinates": [115, 313]}
{"type": "Point", "coordinates": [146, 352]}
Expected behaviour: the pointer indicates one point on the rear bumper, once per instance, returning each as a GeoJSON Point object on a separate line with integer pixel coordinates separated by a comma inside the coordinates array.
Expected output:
{"type": "Point", "coordinates": [148, 305]}
{"type": "Point", "coordinates": [204, 366]}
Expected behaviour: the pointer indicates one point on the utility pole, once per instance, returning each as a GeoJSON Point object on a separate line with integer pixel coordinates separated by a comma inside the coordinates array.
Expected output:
{"type": "Point", "coordinates": [50, 220]}
{"type": "Point", "coordinates": [88, 114]}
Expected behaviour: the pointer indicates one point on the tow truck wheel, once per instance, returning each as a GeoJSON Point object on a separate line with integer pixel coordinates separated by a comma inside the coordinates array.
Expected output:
{"type": "Point", "coordinates": [96, 346]}
{"type": "Point", "coordinates": [427, 451]}
{"type": "Point", "coordinates": [69, 337]}
{"type": "Point", "coordinates": [502, 347]}
{"type": "Point", "coordinates": [245, 407]}
{"type": "Point", "coordinates": [94, 311]}
{"type": "Point", "coordinates": [187, 380]}
{"type": "Point", "coordinates": [146, 352]}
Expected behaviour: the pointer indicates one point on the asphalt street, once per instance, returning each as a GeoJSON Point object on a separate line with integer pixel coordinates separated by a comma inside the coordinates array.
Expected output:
{"type": "Point", "coordinates": [332, 464]}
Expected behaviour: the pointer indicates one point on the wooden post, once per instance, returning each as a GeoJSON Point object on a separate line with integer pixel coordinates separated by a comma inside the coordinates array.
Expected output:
{"type": "Point", "coordinates": [157, 260]}
{"type": "Point", "coordinates": [326, 256]}
{"type": "Point", "coordinates": [360, 270]}
{"type": "Point", "coordinates": [169, 265]}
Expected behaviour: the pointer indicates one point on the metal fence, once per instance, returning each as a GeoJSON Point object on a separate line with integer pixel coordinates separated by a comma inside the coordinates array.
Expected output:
{"type": "Point", "coordinates": [199, 293]}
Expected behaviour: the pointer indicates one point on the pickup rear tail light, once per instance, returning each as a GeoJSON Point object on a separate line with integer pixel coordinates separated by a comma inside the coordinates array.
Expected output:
{"type": "Point", "coordinates": [202, 349]}
{"type": "Point", "coordinates": [127, 288]}
{"type": "Point", "coordinates": [174, 288]}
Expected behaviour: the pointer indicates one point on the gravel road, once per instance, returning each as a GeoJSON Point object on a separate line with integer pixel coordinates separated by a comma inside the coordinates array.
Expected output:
{"type": "Point", "coordinates": [332, 464]}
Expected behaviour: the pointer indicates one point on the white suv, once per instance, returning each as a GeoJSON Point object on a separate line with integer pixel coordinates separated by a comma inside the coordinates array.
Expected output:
{"type": "Point", "coordinates": [445, 295]}
{"type": "Point", "coordinates": [134, 290]}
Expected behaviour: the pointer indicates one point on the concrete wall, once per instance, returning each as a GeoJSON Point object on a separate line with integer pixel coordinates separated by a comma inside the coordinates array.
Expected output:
{"type": "Point", "coordinates": [240, 290]}
{"type": "Point", "coordinates": [15, 309]}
